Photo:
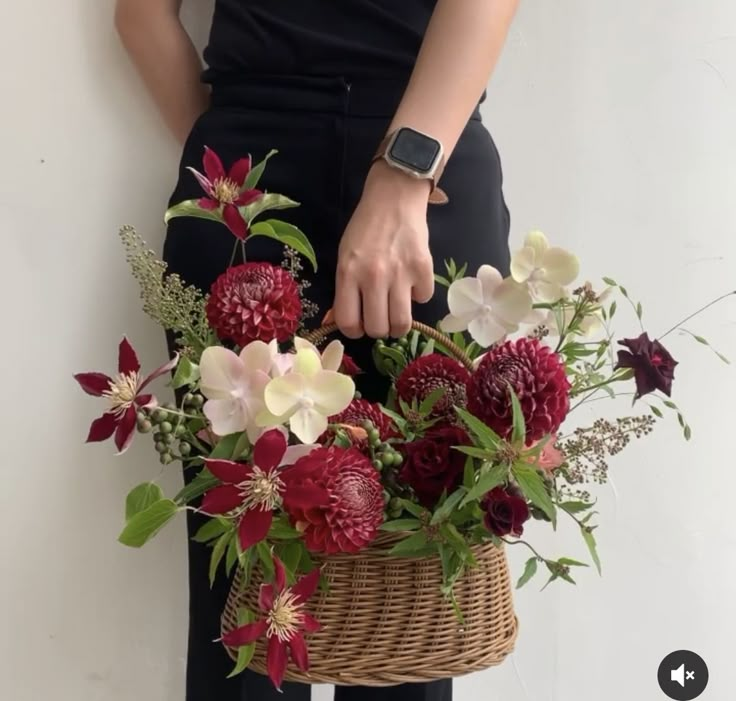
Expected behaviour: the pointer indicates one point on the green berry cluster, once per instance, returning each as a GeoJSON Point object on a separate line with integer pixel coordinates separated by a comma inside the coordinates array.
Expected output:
{"type": "Point", "coordinates": [384, 454]}
{"type": "Point", "coordinates": [168, 429]}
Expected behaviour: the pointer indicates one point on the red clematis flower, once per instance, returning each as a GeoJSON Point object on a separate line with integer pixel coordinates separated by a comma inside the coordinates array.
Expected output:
{"type": "Point", "coordinates": [124, 394]}
{"type": "Point", "coordinates": [226, 190]}
{"type": "Point", "coordinates": [283, 623]}
{"type": "Point", "coordinates": [254, 491]}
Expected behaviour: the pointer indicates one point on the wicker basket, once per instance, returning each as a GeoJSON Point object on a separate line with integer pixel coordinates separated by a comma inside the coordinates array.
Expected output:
{"type": "Point", "coordinates": [385, 621]}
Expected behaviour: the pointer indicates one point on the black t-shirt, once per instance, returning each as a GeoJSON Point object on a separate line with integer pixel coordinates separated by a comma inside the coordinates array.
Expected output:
{"type": "Point", "coordinates": [316, 37]}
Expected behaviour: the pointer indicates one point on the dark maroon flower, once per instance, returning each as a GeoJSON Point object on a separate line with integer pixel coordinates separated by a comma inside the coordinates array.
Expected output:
{"type": "Point", "coordinates": [349, 366]}
{"type": "Point", "coordinates": [506, 511]}
{"type": "Point", "coordinates": [348, 520]}
{"type": "Point", "coordinates": [123, 392]}
{"type": "Point", "coordinates": [226, 190]}
{"type": "Point", "coordinates": [254, 301]}
{"type": "Point", "coordinates": [653, 366]}
{"type": "Point", "coordinates": [431, 372]}
{"type": "Point", "coordinates": [432, 466]}
{"type": "Point", "coordinates": [283, 621]}
{"type": "Point", "coordinates": [536, 374]}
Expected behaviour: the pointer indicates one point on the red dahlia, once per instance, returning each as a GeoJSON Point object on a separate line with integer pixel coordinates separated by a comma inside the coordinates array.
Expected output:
{"type": "Point", "coordinates": [431, 372]}
{"type": "Point", "coordinates": [254, 301]}
{"type": "Point", "coordinates": [537, 375]}
{"type": "Point", "coordinates": [360, 411]}
{"type": "Point", "coordinates": [349, 518]}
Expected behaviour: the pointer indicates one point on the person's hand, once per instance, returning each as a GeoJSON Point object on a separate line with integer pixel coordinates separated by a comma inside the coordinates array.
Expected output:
{"type": "Point", "coordinates": [384, 261]}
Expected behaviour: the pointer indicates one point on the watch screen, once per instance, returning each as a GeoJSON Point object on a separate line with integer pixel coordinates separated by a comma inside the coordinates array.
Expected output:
{"type": "Point", "coordinates": [414, 150]}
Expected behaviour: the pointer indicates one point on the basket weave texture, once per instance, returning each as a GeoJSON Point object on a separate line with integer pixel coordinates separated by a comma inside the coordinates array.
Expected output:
{"type": "Point", "coordinates": [384, 619]}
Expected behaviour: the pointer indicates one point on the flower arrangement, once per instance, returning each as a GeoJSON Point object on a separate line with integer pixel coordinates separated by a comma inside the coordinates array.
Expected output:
{"type": "Point", "coordinates": [286, 459]}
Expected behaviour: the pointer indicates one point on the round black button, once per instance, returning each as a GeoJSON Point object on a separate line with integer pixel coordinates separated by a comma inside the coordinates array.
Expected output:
{"type": "Point", "coordinates": [683, 675]}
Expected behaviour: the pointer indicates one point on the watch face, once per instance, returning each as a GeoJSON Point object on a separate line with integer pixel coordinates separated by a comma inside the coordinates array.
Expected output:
{"type": "Point", "coordinates": [414, 150]}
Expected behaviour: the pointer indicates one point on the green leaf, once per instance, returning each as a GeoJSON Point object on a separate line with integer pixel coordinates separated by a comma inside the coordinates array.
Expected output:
{"type": "Point", "coordinates": [492, 478]}
{"type": "Point", "coordinates": [473, 452]}
{"type": "Point", "coordinates": [441, 280]}
{"type": "Point", "coordinates": [486, 436]}
{"type": "Point", "coordinates": [612, 310]}
{"type": "Point", "coordinates": [289, 235]}
{"type": "Point", "coordinates": [401, 525]}
{"type": "Point", "coordinates": [191, 208]}
{"type": "Point", "coordinates": [412, 508]}
{"type": "Point", "coordinates": [639, 310]}
{"type": "Point", "coordinates": [232, 556]}
{"type": "Point", "coordinates": [218, 552]}
{"type": "Point", "coordinates": [610, 281]}
{"type": "Point", "coordinates": [187, 373]}
{"type": "Point", "coordinates": [590, 542]}
{"type": "Point", "coordinates": [459, 544]}
{"type": "Point", "coordinates": [246, 652]}
{"type": "Point", "coordinates": [283, 531]}
{"type": "Point", "coordinates": [241, 447]}
{"type": "Point", "coordinates": [412, 545]}
{"type": "Point", "coordinates": [575, 507]}
{"type": "Point", "coordinates": [702, 340]}
{"type": "Point", "coordinates": [429, 347]}
{"type": "Point", "coordinates": [447, 507]}
{"type": "Point", "coordinates": [202, 482]}
{"type": "Point", "coordinates": [214, 528]}
{"type": "Point", "coordinates": [518, 434]}
{"type": "Point", "coordinates": [624, 291]}
{"type": "Point", "coordinates": [254, 177]}
{"type": "Point", "coordinates": [265, 203]}
{"type": "Point", "coordinates": [656, 411]}
{"type": "Point", "coordinates": [141, 497]}
{"type": "Point", "coordinates": [669, 404]}
{"type": "Point", "coordinates": [469, 474]}
{"type": "Point", "coordinates": [430, 401]}
{"type": "Point", "coordinates": [145, 524]}
{"type": "Point", "coordinates": [688, 432]}
{"type": "Point", "coordinates": [531, 483]}
{"type": "Point", "coordinates": [529, 571]}
{"type": "Point", "coordinates": [264, 553]}
{"type": "Point", "coordinates": [225, 448]}
{"type": "Point", "coordinates": [290, 554]}
{"type": "Point", "coordinates": [571, 563]}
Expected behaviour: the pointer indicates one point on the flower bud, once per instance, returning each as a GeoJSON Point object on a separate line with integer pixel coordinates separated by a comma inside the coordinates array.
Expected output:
{"type": "Point", "coordinates": [169, 438]}
{"type": "Point", "coordinates": [198, 401]}
{"type": "Point", "coordinates": [398, 458]}
{"type": "Point", "coordinates": [188, 398]}
{"type": "Point", "coordinates": [185, 448]}
{"type": "Point", "coordinates": [161, 447]}
{"type": "Point", "coordinates": [378, 464]}
{"type": "Point", "coordinates": [166, 458]}
{"type": "Point", "coordinates": [145, 426]}
{"type": "Point", "coordinates": [387, 459]}
{"type": "Point", "coordinates": [159, 415]}
{"type": "Point", "coordinates": [166, 427]}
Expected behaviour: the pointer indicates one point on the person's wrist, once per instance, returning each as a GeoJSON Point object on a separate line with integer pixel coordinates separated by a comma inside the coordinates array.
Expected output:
{"type": "Point", "coordinates": [385, 181]}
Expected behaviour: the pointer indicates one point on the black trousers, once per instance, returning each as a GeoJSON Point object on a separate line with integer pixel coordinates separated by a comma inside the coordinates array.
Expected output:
{"type": "Point", "coordinates": [326, 131]}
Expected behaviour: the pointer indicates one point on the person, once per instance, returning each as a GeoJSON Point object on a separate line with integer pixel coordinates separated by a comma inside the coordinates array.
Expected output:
{"type": "Point", "coordinates": [324, 83]}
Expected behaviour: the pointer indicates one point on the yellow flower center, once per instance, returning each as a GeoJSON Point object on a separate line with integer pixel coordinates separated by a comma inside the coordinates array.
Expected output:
{"type": "Point", "coordinates": [225, 190]}
{"type": "Point", "coordinates": [122, 391]}
{"type": "Point", "coordinates": [262, 489]}
{"type": "Point", "coordinates": [285, 617]}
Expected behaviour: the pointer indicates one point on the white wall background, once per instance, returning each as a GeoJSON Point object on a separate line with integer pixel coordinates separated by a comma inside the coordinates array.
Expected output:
{"type": "Point", "coordinates": [616, 124]}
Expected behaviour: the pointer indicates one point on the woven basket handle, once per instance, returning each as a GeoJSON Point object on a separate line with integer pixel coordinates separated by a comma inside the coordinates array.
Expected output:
{"type": "Point", "coordinates": [318, 336]}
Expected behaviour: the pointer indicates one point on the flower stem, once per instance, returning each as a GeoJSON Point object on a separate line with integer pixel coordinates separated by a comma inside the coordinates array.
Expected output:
{"type": "Point", "coordinates": [523, 542]}
{"type": "Point", "coordinates": [694, 314]}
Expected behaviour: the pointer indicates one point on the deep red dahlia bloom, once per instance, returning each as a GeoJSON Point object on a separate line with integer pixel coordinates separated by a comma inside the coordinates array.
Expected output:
{"type": "Point", "coordinates": [252, 492]}
{"type": "Point", "coordinates": [428, 373]}
{"type": "Point", "coordinates": [360, 411]}
{"type": "Point", "coordinates": [349, 518]}
{"type": "Point", "coordinates": [254, 301]}
{"type": "Point", "coordinates": [506, 511]}
{"type": "Point", "coordinates": [124, 394]}
{"type": "Point", "coordinates": [653, 366]}
{"type": "Point", "coordinates": [432, 465]}
{"type": "Point", "coordinates": [226, 190]}
{"type": "Point", "coordinates": [536, 374]}
{"type": "Point", "coordinates": [284, 622]}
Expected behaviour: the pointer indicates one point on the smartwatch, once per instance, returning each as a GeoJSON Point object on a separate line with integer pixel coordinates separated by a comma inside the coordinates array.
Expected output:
{"type": "Point", "coordinates": [416, 154]}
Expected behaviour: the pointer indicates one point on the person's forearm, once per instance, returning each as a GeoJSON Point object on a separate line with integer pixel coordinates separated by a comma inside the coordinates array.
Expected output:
{"type": "Point", "coordinates": [460, 50]}
{"type": "Point", "coordinates": [166, 59]}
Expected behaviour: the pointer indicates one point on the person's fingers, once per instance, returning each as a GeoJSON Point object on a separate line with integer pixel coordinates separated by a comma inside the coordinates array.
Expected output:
{"type": "Point", "coordinates": [423, 288]}
{"type": "Point", "coordinates": [346, 310]}
{"type": "Point", "coordinates": [374, 297]}
{"type": "Point", "coordinates": [399, 309]}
